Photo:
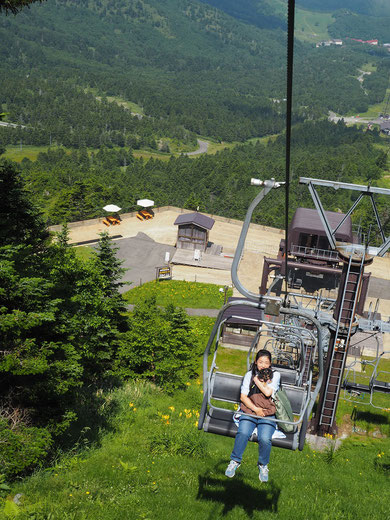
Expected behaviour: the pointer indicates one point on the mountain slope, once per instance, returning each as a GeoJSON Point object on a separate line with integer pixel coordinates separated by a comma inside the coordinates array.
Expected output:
{"type": "Point", "coordinates": [188, 64]}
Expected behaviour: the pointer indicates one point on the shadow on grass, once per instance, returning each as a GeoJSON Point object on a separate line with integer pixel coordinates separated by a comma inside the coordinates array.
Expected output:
{"type": "Point", "coordinates": [370, 417]}
{"type": "Point", "coordinates": [94, 416]}
{"type": "Point", "coordinates": [236, 493]}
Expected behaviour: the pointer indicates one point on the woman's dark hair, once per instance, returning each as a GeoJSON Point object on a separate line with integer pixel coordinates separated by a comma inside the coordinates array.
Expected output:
{"type": "Point", "coordinates": [261, 353]}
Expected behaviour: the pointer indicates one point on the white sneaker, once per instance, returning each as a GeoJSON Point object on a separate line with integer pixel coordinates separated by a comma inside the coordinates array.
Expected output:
{"type": "Point", "coordinates": [231, 469]}
{"type": "Point", "coordinates": [278, 434]}
{"type": "Point", "coordinates": [263, 473]}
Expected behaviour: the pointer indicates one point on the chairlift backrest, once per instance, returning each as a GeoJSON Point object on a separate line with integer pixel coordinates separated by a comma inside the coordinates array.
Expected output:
{"type": "Point", "coordinates": [227, 387]}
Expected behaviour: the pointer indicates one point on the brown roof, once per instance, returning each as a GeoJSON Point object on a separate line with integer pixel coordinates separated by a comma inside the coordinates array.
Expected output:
{"type": "Point", "coordinates": [195, 218]}
{"type": "Point", "coordinates": [308, 221]}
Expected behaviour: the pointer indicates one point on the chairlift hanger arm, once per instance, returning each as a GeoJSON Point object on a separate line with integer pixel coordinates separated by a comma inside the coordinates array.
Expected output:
{"type": "Point", "coordinates": [268, 185]}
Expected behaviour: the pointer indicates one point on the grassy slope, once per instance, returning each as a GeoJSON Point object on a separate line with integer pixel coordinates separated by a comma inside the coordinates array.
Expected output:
{"type": "Point", "coordinates": [180, 293]}
{"type": "Point", "coordinates": [375, 110]}
{"type": "Point", "coordinates": [156, 465]}
{"type": "Point", "coordinates": [312, 26]}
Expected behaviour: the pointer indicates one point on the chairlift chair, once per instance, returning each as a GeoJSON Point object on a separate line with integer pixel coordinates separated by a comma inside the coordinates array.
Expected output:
{"type": "Point", "coordinates": [375, 383]}
{"type": "Point", "coordinates": [222, 390]}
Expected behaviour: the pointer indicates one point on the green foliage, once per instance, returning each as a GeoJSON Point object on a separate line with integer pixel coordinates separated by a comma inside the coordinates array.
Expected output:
{"type": "Point", "coordinates": [60, 319]}
{"type": "Point", "coordinates": [192, 68]}
{"type": "Point", "coordinates": [160, 346]}
{"type": "Point", "coordinates": [221, 181]}
{"type": "Point", "coordinates": [22, 448]}
{"type": "Point", "coordinates": [14, 6]}
{"type": "Point", "coordinates": [178, 436]}
{"type": "Point", "coordinates": [21, 221]}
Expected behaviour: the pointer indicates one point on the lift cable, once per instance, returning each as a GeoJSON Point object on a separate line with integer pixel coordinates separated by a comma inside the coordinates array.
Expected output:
{"type": "Point", "coordinates": [290, 63]}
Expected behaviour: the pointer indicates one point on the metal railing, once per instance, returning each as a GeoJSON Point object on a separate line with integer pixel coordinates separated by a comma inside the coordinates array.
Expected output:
{"type": "Point", "coordinates": [318, 254]}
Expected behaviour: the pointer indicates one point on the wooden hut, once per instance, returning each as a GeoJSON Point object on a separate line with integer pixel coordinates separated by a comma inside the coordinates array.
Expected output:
{"type": "Point", "coordinates": [193, 231]}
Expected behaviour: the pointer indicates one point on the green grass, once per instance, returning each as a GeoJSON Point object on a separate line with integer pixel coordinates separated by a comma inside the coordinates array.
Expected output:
{"type": "Point", "coordinates": [369, 67]}
{"type": "Point", "coordinates": [155, 464]}
{"type": "Point", "coordinates": [179, 293]}
{"type": "Point", "coordinates": [84, 252]}
{"type": "Point", "coordinates": [311, 26]}
{"type": "Point", "coordinates": [17, 154]}
{"type": "Point", "coordinates": [133, 107]}
{"type": "Point", "coordinates": [374, 110]}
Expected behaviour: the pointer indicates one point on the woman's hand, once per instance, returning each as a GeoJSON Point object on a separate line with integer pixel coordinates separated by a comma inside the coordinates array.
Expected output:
{"type": "Point", "coordinates": [259, 411]}
{"type": "Point", "coordinates": [263, 387]}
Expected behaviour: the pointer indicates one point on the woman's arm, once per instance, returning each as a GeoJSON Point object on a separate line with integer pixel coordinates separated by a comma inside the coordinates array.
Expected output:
{"type": "Point", "coordinates": [265, 388]}
{"type": "Point", "coordinates": [250, 404]}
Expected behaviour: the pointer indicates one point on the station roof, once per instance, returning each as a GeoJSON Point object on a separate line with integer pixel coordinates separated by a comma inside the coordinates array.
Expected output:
{"type": "Point", "coordinates": [236, 314]}
{"type": "Point", "coordinates": [195, 218]}
{"type": "Point", "coordinates": [308, 221]}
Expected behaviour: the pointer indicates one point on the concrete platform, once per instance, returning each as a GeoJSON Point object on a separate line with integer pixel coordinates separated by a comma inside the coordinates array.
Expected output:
{"type": "Point", "coordinates": [141, 255]}
{"type": "Point", "coordinates": [186, 257]}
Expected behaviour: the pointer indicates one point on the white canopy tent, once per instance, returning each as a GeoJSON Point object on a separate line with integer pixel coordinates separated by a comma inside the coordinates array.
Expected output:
{"type": "Point", "coordinates": [112, 207]}
{"type": "Point", "coordinates": [145, 203]}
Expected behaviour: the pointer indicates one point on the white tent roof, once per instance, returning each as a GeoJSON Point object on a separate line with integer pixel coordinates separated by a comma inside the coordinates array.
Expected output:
{"type": "Point", "coordinates": [112, 207]}
{"type": "Point", "coordinates": [146, 203]}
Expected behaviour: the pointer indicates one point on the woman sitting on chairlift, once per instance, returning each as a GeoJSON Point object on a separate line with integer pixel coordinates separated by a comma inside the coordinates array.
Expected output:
{"type": "Point", "coordinates": [258, 386]}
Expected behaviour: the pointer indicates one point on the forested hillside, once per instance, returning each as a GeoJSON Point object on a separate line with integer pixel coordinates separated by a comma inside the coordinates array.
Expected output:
{"type": "Point", "coordinates": [365, 7]}
{"type": "Point", "coordinates": [361, 26]}
{"type": "Point", "coordinates": [193, 69]}
{"type": "Point", "coordinates": [74, 186]}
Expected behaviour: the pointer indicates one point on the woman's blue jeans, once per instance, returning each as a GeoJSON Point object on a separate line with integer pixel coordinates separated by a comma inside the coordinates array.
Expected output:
{"type": "Point", "coordinates": [265, 429]}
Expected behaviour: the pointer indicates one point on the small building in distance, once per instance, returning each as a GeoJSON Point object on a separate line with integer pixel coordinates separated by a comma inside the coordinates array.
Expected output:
{"type": "Point", "coordinates": [193, 231]}
{"type": "Point", "coordinates": [328, 43]}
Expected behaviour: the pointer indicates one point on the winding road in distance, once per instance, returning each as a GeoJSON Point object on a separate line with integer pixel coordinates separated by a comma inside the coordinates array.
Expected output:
{"type": "Point", "coordinates": [203, 147]}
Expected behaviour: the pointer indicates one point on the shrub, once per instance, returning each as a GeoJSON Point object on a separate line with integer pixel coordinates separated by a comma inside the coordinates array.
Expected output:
{"type": "Point", "coordinates": [22, 448]}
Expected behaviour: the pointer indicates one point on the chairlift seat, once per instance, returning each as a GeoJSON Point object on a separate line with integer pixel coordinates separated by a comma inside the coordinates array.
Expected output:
{"type": "Point", "coordinates": [221, 422]}
{"type": "Point", "coordinates": [380, 386]}
{"type": "Point", "coordinates": [287, 375]}
{"type": "Point", "coordinates": [227, 387]}
{"type": "Point", "coordinates": [375, 385]}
